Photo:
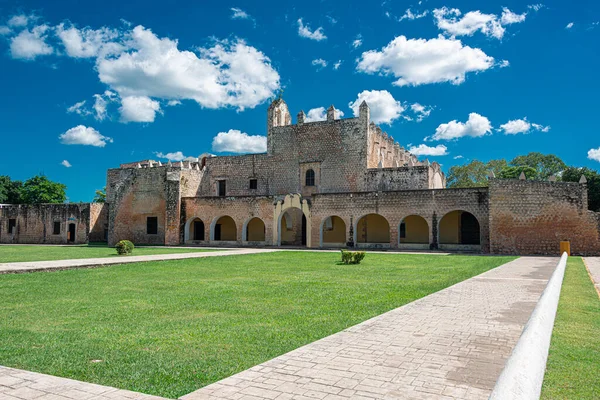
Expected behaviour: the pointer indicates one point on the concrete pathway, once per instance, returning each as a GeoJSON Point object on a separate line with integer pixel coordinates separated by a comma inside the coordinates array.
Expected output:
{"type": "Point", "coordinates": [593, 265]}
{"type": "Point", "coordinates": [16, 384]}
{"type": "Point", "coordinates": [450, 345]}
{"type": "Point", "coordinates": [31, 266]}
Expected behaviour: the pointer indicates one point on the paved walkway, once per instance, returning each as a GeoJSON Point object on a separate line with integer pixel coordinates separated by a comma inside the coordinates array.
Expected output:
{"type": "Point", "coordinates": [450, 345]}
{"type": "Point", "coordinates": [16, 384]}
{"type": "Point", "coordinates": [31, 266]}
{"type": "Point", "coordinates": [593, 265]}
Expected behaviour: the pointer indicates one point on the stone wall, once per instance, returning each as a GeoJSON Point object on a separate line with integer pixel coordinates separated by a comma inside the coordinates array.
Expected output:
{"type": "Point", "coordinates": [35, 223]}
{"type": "Point", "coordinates": [531, 217]}
{"type": "Point", "coordinates": [98, 222]}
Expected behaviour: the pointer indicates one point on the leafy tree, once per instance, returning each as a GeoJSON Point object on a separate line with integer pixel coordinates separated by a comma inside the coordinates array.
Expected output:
{"type": "Point", "coordinates": [100, 196]}
{"type": "Point", "coordinates": [473, 174]}
{"type": "Point", "coordinates": [511, 172]}
{"type": "Point", "coordinates": [545, 165]}
{"type": "Point", "coordinates": [39, 189]}
{"type": "Point", "coordinates": [10, 191]}
{"type": "Point", "coordinates": [573, 174]}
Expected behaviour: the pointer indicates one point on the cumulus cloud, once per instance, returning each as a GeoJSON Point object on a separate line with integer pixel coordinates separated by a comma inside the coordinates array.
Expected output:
{"type": "Point", "coordinates": [420, 61]}
{"type": "Point", "coordinates": [452, 22]}
{"type": "Point", "coordinates": [29, 44]}
{"type": "Point", "coordinates": [101, 103]}
{"type": "Point", "coordinates": [138, 109]}
{"type": "Point", "coordinates": [569, 25]}
{"type": "Point", "coordinates": [408, 14]}
{"type": "Point", "coordinates": [319, 63]}
{"type": "Point", "coordinates": [235, 141]}
{"type": "Point", "coordinates": [305, 32]}
{"type": "Point", "coordinates": [420, 111]}
{"type": "Point", "coordinates": [516, 126]}
{"type": "Point", "coordinates": [19, 21]}
{"type": "Point", "coordinates": [424, 150]}
{"type": "Point", "coordinates": [65, 163]}
{"type": "Point", "coordinates": [5, 30]}
{"type": "Point", "coordinates": [83, 135]}
{"type": "Point", "coordinates": [594, 154]}
{"type": "Point", "coordinates": [86, 42]}
{"type": "Point", "coordinates": [383, 107]}
{"type": "Point", "coordinates": [476, 126]}
{"type": "Point", "coordinates": [320, 114]}
{"type": "Point", "coordinates": [175, 156]}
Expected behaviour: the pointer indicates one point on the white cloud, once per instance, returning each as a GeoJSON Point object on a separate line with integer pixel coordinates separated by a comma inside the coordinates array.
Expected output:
{"type": "Point", "coordinates": [320, 114]}
{"type": "Point", "coordinates": [408, 14]}
{"type": "Point", "coordinates": [86, 42]}
{"type": "Point", "coordinates": [594, 154]}
{"type": "Point", "coordinates": [458, 157]}
{"type": "Point", "coordinates": [476, 126]}
{"type": "Point", "coordinates": [101, 102]}
{"type": "Point", "coordinates": [504, 64]}
{"type": "Point", "coordinates": [421, 111]}
{"type": "Point", "coordinates": [29, 44]}
{"type": "Point", "coordinates": [536, 7]}
{"type": "Point", "coordinates": [65, 163]}
{"type": "Point", "coordinates": [508, 17]}
{"type": "Point", "coordinates": [173, 103]}
{"type": "Point", "coordinates": [569, 25]}
{"type": "Point", "coordinates": [420, 61]}
{"type": "Point", "coordinates": [138, 109]}
{"type": "Point", "coordinates": [79, 109]}
{"type": "Point", "coordinates": [19, 21]}
{"type": "Point", "coordinates": [5, 30]}
{"type": "Point", "coordinates": [238, 13]}
{"type": "Point", "coordinates": [235, 141]}
{"type": "Point", "coordinates": [356, 43]}
{"type": "Point", "coordinates": [424, 150]}
{"type": "Point", "coordinates": [176, 156]}
{"type": "Point", "coordinates": [304, 31]}
{"type": "Point", "coordinates": [319, 63]}
{"type": "Point", "coordinates": [83, 135]}
{"type": "Point", "coordinates": [230, 73]}
{"type": "Point", "coordinates": [383, 107]}
{"type": "Point", "coordinates": [516, 126]}
{"type": "Point", "coordinates": [337, 65]}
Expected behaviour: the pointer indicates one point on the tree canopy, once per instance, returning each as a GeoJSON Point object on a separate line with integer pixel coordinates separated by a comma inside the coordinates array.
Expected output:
{"type": "Point", "coordinates": [100, 196]}
{"type": "Point", "coordinates": [36, 190]}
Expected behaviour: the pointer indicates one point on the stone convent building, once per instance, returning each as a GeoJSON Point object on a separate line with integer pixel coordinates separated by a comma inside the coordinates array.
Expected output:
{"type": "Point", "coordinates": [326, 184]}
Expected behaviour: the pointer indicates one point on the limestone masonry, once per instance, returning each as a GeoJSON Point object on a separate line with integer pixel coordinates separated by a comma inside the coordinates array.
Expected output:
{"type": "Point", "coordinates": [327, 184]}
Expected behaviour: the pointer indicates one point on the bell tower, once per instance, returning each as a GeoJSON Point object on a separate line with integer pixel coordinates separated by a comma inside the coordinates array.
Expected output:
{"type": "Point", "coordinates": [278, 115]}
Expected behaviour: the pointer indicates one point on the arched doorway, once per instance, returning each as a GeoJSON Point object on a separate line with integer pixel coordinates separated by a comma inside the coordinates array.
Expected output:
{"type": "Point", "coordinates": [372, 230]}
{"type": "Point", "coordinates": [292, 228]}
{"type": "Point", "coordinates": [194, 230]}
{"type": "Point", "coordinates": [255, 230]}
{"type": "Point", "coordinates": [224, 229]}
{"type": "Point", "coordinates": [459, 228]}
{"type": "Point", "coordinates": [413, 232]}
{"type": "Point", "coordinates": [333, 232]}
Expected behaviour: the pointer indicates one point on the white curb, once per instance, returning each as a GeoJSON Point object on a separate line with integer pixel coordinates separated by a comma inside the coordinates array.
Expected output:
{"type": "Point", "coordinates": [523, 373]}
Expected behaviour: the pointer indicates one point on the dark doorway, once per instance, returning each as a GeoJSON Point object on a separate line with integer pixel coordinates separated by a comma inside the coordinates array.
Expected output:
{"type": "Point", "coordinates": [199, 230]}
{"type": "Point", "coordinates": [71, 237]}
{"type": "Point", "coordinates": [469, 229]}
{"type": "Point", "coordinates": [218, 232]}
{"type": "Point", "coordinates": [303, 230]}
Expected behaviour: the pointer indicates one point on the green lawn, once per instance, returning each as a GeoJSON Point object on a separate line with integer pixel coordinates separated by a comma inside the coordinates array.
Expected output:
{"type": "Point", "coordinates": [10, 253]}
{"type": "Point", "coordinates": [573, 369]}
{"type": "Point", "coordinates": [171, 327]}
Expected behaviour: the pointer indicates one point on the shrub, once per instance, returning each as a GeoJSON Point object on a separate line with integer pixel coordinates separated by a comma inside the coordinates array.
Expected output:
{"type": "Point", "coordinates": [124, 247]}
{"type": "Point", "coordinates": [352, 257]}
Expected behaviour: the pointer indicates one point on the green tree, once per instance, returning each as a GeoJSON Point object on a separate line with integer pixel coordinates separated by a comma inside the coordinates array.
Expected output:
{"type": "Point", "coordinates": [512, 172]}
{"type": "Point", "coordinates": [545, 165]}
{"type": "Point", "coordinates": [473, 174]}
{"type": "Point", "coordinates": [39, 189]}
{"type": "Point", "coordinates": [100, 196]}
{"type": "Point", "coordinates": [10, 191]}
{"type": "Point", "coordinates": [573, 174]}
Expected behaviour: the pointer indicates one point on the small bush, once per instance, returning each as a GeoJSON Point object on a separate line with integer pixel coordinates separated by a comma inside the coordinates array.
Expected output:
{"type": "Point", "coordinates": [352, 257]}
{"type": "Point", "coordinates": [124, 247]}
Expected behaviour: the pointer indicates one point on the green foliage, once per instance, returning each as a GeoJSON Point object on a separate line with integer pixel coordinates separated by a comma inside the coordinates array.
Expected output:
{"type": "Point", "coordinates": [545, 165]}
{"type": "Point", "coordinates": [573, 174]}
{"type": "Point", "coordinates": [124, 247]}
{"type": "Point", "coordinates": [473, 174]}
{"type": "Point", "coordinates": [511, 172]}
{"type": "Point", "coordinates": [10, 191]}
{"type": "Point", "coordinates": [40, 189]}
{"type": "Point", "coordinates": [100, 196]}
{"type": "Point", "coordinates": [352, 257]}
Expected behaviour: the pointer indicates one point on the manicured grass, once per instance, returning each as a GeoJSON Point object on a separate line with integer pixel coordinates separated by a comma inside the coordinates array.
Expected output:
{"type": "Point", "coordinates": [171, 327]}
{"type": "Point", "coordinates": [47, 253]}
{"type": "Point", "coordinates": [573, 369]}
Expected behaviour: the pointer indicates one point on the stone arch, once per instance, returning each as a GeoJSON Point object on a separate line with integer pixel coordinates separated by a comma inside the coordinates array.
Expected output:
{"type": "Point", "coordinates": [227, 232]}
{"type": "Point", "coordinates": [333, 232]}
{"type": "Point", "coordinates": [459, 227]}
{"type": "Point", "coordinates": [194, 230]}
{"type": "Point", "coordinates": [288, 202]}
{"type": "Point", "coordinates": [254, 230]}
{"type": "Point", "coordinates": [413, 230]}
{"type": "Point", "coordinates": [372, 230]}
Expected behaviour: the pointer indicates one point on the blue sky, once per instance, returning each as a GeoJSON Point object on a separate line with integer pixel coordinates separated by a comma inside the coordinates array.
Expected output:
{"type": "Point", "coordinates": [455, 80]}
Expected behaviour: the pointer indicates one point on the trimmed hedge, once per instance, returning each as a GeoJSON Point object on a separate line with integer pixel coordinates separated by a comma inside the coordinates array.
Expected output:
{"type": "Point", "coordinates": [124, 247]}
{"type": "Point", "coordinates": [352, 257]}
